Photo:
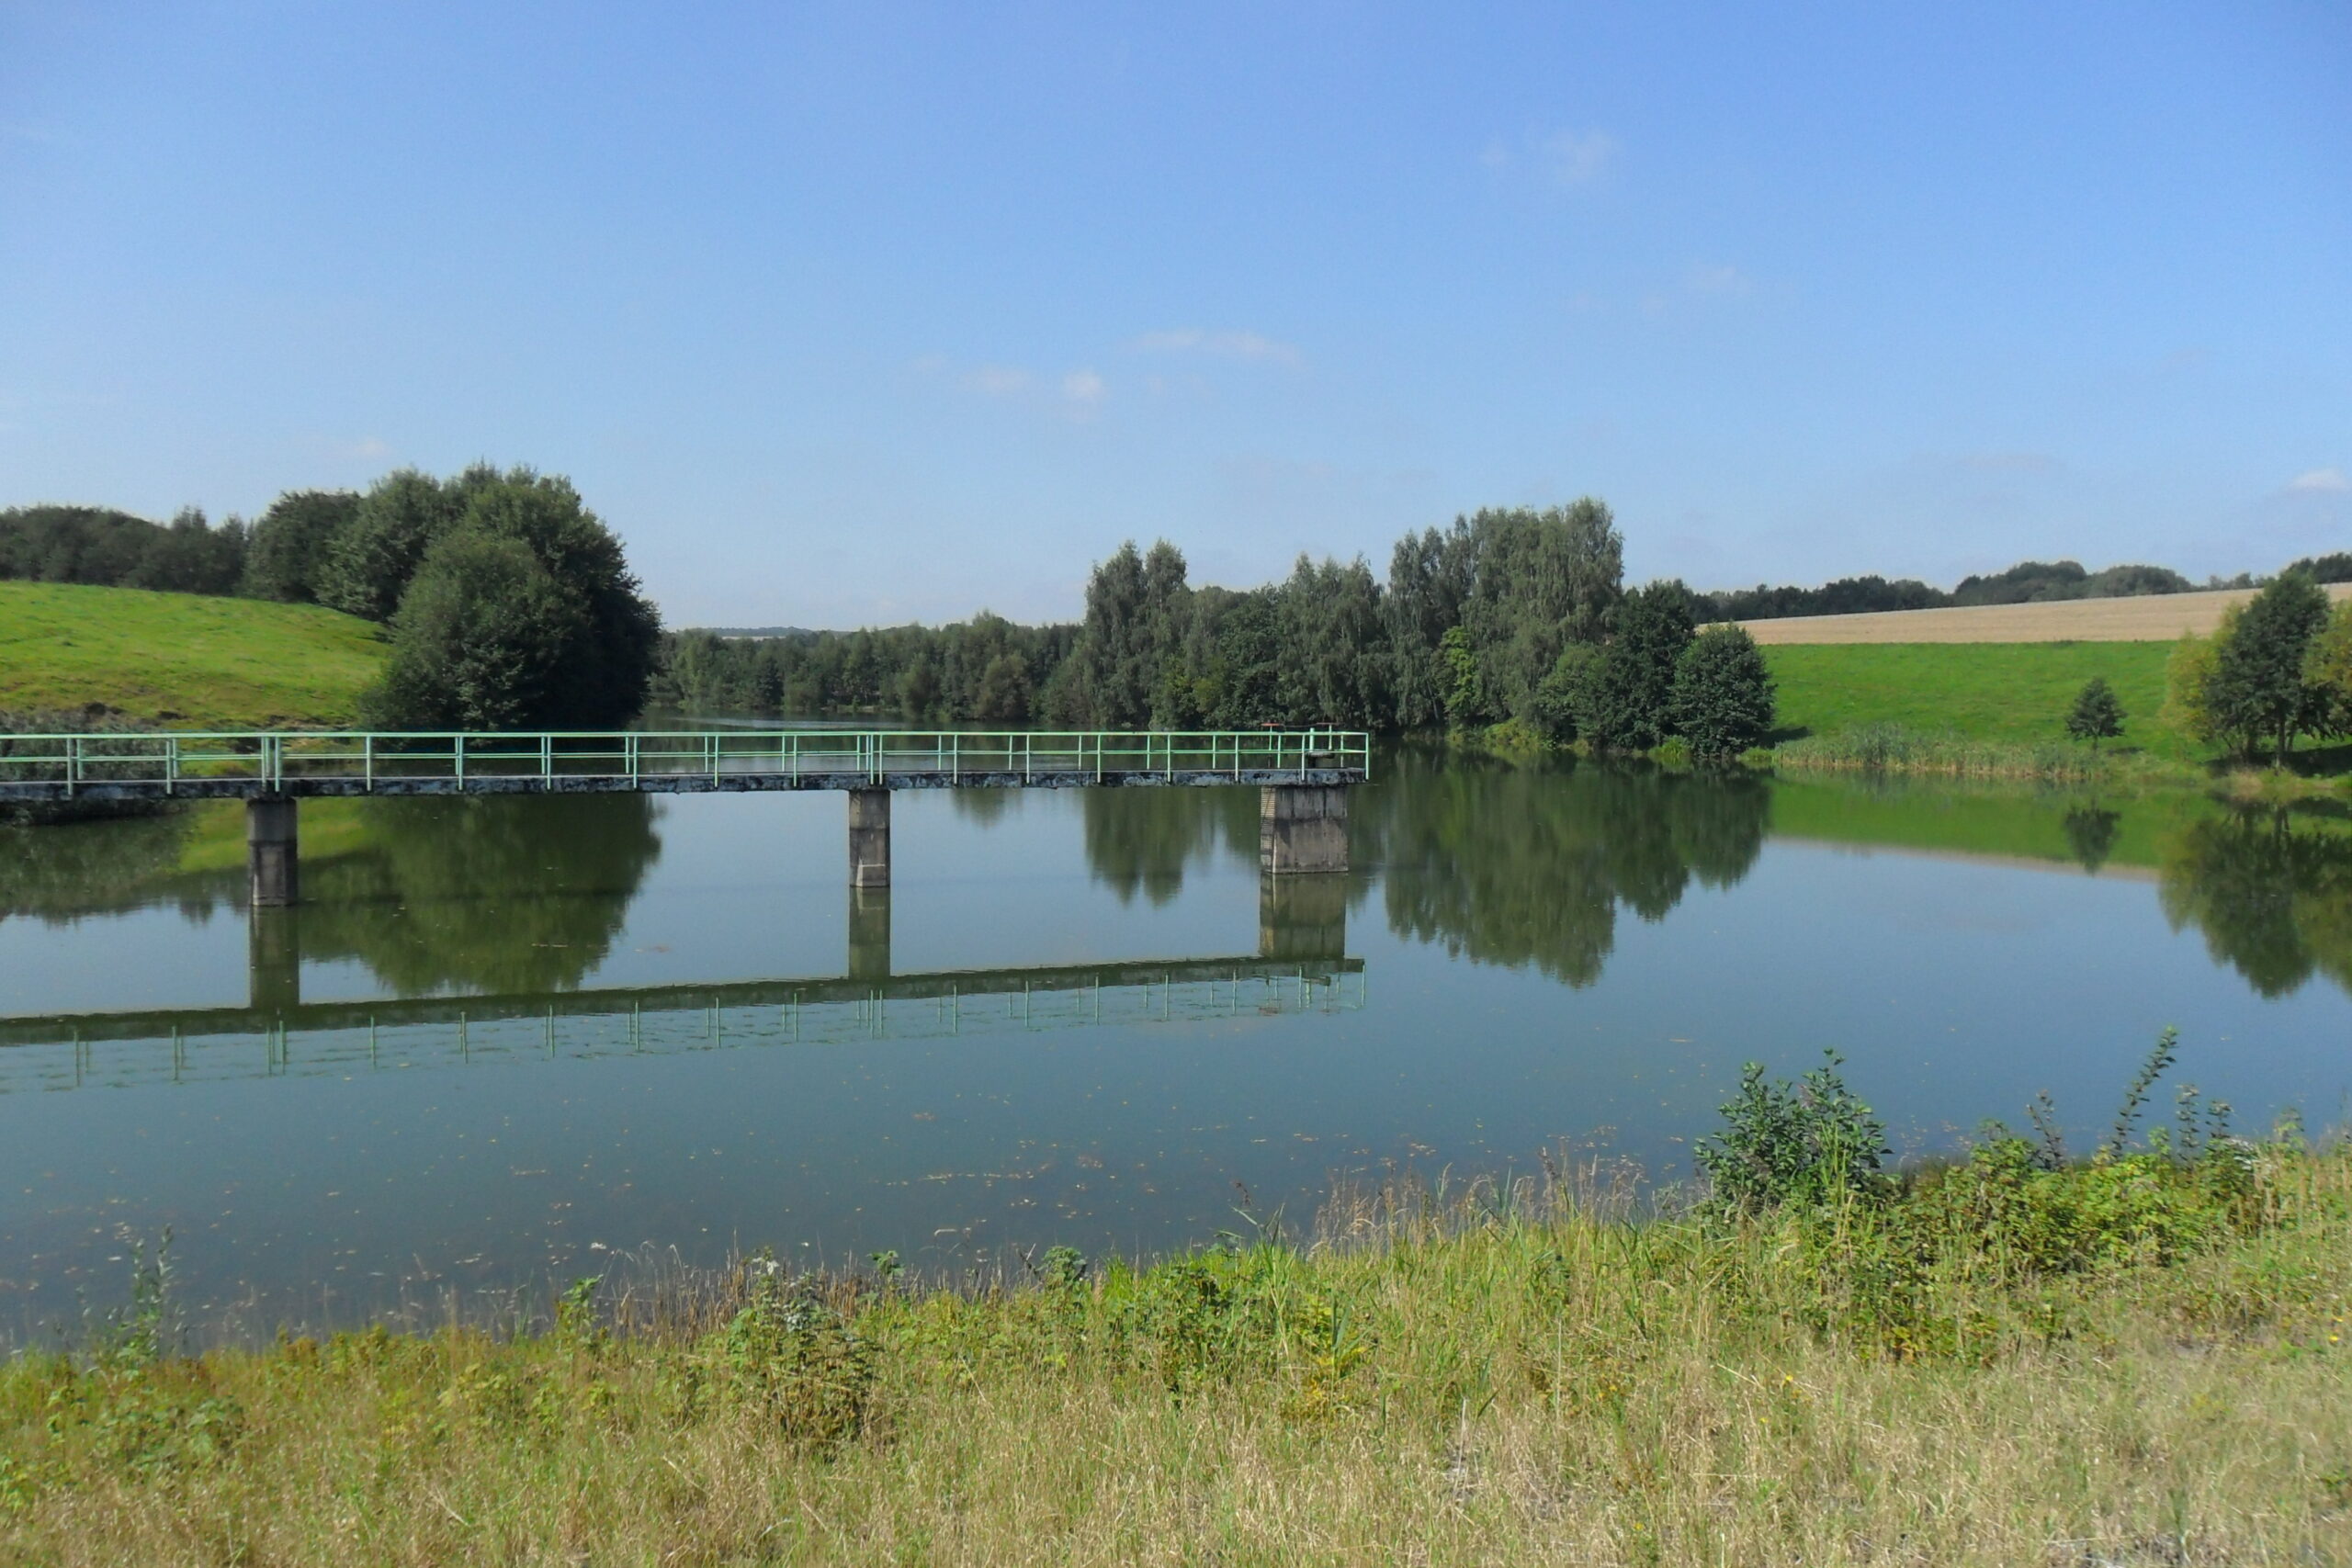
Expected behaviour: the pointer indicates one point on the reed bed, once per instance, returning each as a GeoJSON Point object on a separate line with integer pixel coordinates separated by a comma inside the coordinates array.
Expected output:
{"type": "Point", "coordinates": [1898, 749]}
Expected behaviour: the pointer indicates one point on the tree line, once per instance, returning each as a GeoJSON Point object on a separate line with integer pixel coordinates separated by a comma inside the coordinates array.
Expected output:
{"type": "Point", "coordinates": [2026, 582]}
{"type": "Point", "coordinates": [1512, 617]}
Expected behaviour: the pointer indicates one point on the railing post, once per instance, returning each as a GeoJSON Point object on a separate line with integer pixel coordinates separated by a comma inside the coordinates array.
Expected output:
{"type": "Point", "coordinates": [458, 754]}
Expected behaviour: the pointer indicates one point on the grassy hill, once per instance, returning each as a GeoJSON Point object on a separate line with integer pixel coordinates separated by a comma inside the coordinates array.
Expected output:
{"type": "Point", "coordinates": [182, 660]}
{"type": "Point", "coordinates": [2008, 692]}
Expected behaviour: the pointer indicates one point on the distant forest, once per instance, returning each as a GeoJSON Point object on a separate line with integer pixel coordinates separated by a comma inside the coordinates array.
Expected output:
{"type": "Point", "coordinates": [2026, 582]}
{"type": "Point", "coordinates": [1507, 616]}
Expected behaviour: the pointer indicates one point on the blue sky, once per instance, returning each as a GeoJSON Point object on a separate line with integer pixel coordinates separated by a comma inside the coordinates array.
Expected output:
{"type": "Point", "coordinates": [860, 313]}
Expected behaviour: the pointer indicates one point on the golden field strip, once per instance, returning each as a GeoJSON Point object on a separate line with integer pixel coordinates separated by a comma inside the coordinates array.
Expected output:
{"type": "Point", "coordinates": [2153, 618]}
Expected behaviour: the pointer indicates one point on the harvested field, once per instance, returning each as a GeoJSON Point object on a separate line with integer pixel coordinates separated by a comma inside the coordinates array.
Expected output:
{"type": "Point", "coordinates": [2155, 618]}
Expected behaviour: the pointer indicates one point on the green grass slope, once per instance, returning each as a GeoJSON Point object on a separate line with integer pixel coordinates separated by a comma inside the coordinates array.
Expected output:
{"type": "Point", "coordinates": [182, 660]}
{"type": "Point", "coordinates": [2011, 692]}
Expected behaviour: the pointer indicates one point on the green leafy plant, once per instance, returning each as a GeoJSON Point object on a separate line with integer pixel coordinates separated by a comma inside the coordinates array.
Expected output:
{"type": "Point", "coordinates": [1807, 1143]}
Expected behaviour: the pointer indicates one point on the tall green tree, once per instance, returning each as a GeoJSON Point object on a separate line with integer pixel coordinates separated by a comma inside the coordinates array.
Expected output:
{"type": "Point", "coordinates": [1723, 693]}
{"type": "Point", "coordinates": [2327, 673]}
{"type": "Point", "coordinates": [480, 641]}
{"type": "Point", "coordinates": [291, 542]}
{"type": "Point", "coordinates": [1465, 696]}
{"type": "Point", "coordinates": [604, 673]}
{"type": "Point", "coordinates": [2257, 680]}
{"type": "Point", "coordinates": [522, 612]}
{"type": "Point", "coordinates": [371, 558]}
{"type": "Point", "coordinates": [1336, 659]}
{"type": "Point", "coordinates": [1629, 700]}
{"type": "Point", "coordinates": [1538, 580]}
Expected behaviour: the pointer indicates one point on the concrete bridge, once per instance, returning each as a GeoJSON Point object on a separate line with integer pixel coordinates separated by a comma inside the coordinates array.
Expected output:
{"type": "Point", "coordinates": [1302, 775]}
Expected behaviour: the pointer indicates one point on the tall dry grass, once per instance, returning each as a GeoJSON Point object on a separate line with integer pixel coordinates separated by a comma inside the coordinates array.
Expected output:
{"type": "Point", "coordinates": [1543, 1371]}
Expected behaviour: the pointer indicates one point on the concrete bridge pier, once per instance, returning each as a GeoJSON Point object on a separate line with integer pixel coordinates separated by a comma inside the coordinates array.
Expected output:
{"type": "Point", "coordinates": [272, 857]}
{"type": "Point", "coordinates": [869, 933]}
{"type": "Point", "coordinates": [274, 959]}
{"type": "Point", "coordinates": [869, 838]}
{"type": "Point", "coordinates": [1303, 919]}
{"type": "Point", "coordinates": [1302, 828]}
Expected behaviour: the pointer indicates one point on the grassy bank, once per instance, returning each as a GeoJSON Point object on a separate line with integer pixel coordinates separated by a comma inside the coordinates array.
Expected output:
{"type": "Point", "coordinates": [1998, 711]}
{"type": "Point", "coordinates": [182, 660]}
{"type": "Point", "coordinates": [2011, 694]}
{"type": "Point", "coordinates": [2136, 1361]}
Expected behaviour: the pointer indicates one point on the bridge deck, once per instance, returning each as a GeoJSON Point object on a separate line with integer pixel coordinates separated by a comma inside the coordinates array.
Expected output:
{"type": "Point", "coordinates": [243, 765]}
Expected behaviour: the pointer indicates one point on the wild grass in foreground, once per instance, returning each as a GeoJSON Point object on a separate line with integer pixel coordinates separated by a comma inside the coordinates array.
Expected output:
{"type": "Point", "coordinates": [2017, 1359]}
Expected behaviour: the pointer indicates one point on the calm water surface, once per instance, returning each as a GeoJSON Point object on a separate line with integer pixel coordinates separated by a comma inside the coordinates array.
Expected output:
{"type": "Point", "coordinates": [584, 1025]}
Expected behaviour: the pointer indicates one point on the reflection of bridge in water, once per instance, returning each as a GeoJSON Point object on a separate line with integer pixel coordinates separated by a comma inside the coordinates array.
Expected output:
{"type": "Point", "coordinates": [1300, 967]}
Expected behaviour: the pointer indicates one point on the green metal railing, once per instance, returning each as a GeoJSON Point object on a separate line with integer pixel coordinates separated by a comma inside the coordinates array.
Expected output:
{"type": "Point", "coordinates": [166, 762]}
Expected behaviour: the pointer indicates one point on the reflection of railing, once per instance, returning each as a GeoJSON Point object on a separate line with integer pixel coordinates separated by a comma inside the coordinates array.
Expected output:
{"type": "Point", "coordinates": [204, 1045]}
{"type": "Point", "coordinates": [357, 762]}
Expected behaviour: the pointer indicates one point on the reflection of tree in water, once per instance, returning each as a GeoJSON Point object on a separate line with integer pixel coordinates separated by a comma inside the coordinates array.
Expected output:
{"type": "Point", "coordinates": [496, 894]}
{"type": "Point", "coordinates": [985, 806]}
{"type": "Point", "coordinates": [60, 873]}
{"type": "Point", "coordinates": [2271, 891]}
{"type": "Point", "coordinates": [1140, 840]}
{"type": "Point", "coordinates": [57, 871]}
{"type": "Point", "coordinates": [1519, 865]}
{"type": "Point", "coordinates": [2091, 832]}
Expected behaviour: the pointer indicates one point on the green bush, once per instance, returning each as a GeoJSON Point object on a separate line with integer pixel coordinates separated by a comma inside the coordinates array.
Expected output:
{"type": "Point", "coordinates": [1806, 1144]}
{"type": "Point", "coordinates": [1723, 693]}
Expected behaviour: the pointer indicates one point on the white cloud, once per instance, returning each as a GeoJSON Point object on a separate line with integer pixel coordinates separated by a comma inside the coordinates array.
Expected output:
{"type": "Point", "coordinates": [998, 380]}
{"type": "Point", "coordinates": [2320, 481]}
{"type": "Point", "coordinates": [1495, 156]}
{"type": "Point", "coordinates": [2010, 462]}
{"type": "Point", "coordinates": [1224, 345]}
{"type": "Point", "coordinates": [1706, 279]}
{"type": "Point", "coordinates": [371, 447]}
{"type": "Point", "coordinates": [1083, 386]}
{"type": "Point", "coordinates": [1577, 158]}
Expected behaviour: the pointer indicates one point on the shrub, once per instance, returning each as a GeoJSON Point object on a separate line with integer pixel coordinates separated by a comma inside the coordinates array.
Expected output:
{"type": "Point", "coordinates": [1806, 1144]}
{"type": "Point", "coordinates": [794, 1354]}
{"type": "Point", "coordinates": [1723, 693]}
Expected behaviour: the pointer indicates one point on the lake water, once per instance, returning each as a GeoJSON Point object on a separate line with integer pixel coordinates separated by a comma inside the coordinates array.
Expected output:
{"type": "Point", "coordinates": [594, 1023]}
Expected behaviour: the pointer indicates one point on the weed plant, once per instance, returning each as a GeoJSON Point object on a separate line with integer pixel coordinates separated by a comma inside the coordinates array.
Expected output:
{"type": "Point", "coordinates": [2018, 1357]}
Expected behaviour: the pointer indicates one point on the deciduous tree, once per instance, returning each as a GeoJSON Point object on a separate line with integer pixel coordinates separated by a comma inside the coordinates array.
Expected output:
{"type": "Point", "coordinates": [1723, 693]}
